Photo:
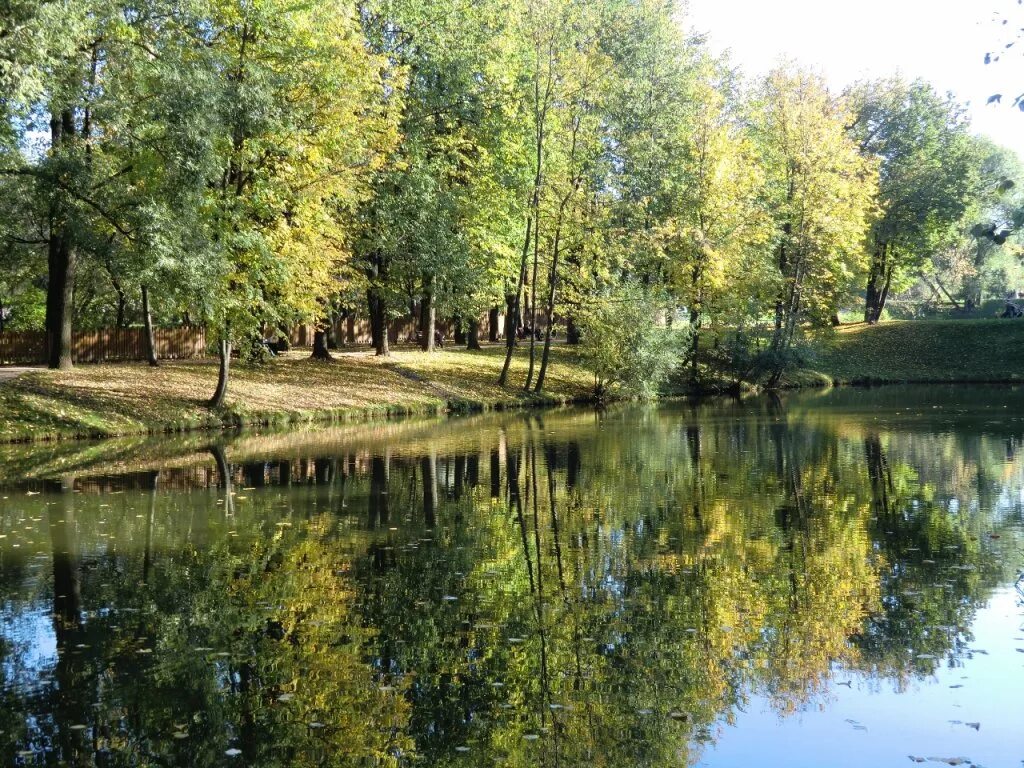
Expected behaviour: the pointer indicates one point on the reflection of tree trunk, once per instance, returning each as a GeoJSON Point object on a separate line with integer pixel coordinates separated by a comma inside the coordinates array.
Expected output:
{"type": "Point", "coordinates": [545, 685]}
{"type": "Point", "coordinates": [378, 491]}
{"type": "Point", "coordinates": [878, 474]}
{"type": "Point", "coordinates": [495, 474]}
{"type": "Point", "coordinates": [147, 559]}
{"type": "Point", "coordinates": [554, 516]}
{"type": "Point", "coordinates": [71, 704]}
{"type": "Point", "coordinates": [460, 476]}
{"type": "Point", "coordinates": [224, 470]}
{"type": "Point", "coordinates": [573, 465]}
{"type": "Point", "coordinates": [428, 468]}
{"type": "Point", "coordinates": [255, 473]}
{"type": "Point", "coordinates": [67, 598]}
{"type": "Point", "coordinates": [512, 471]}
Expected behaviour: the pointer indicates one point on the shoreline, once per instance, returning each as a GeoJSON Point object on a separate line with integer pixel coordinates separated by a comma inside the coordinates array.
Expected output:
{"type": "Point", "coordinates": [113, 400]}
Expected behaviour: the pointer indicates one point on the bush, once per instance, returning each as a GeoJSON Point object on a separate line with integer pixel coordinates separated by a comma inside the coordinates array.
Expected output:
{"type": "Point", "coordinates": [624, 345]}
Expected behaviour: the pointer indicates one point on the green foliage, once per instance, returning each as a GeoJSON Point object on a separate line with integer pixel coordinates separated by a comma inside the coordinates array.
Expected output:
{"type": "Point", "coordinates": [625, 346]}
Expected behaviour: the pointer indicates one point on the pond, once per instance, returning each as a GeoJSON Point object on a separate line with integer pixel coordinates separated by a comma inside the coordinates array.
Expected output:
{"type": "Point", "coordinates": [818, 579]}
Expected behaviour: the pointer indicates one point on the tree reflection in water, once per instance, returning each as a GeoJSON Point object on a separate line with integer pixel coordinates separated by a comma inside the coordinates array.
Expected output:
{"type": "Point", "coordinates": [565, 589]}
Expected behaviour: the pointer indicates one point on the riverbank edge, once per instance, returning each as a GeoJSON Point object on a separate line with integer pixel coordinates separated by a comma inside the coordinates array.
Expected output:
{"type": "Point", "coordinates": [229, 418]}
{"type": "Point", "coordinates": [429, 403]}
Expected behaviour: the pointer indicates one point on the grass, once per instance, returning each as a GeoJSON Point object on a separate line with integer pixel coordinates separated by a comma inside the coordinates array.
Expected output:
{"type": "Point", "coordinates": [965, 351]}
{"type": "Point", "coordinates": [131, 399]}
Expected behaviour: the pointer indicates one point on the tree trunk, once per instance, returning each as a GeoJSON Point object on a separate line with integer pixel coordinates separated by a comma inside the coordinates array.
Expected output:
{"type": "Point", "coordinates": [874, 299]}
{"type": "Point", "coordinates": [572, 331]}
{"type": "Point", "coordinates": [512, 307]}
{"type": "Point", "coordinates": [320, 350]}
{"type": "Point", "coordinates": [378, 322]}
{"type": "Point", "coordinates": [60, 263]}
{"type": "Point", "coordinates": [59, 302]}
{"type": "Point", "coordinates": [122, 304]}
{"type": "Point", "coordinates": [549, 310]}
{"type": "Point", "coordinates": [460, 330]}
{"type": "Point", "coordinates": [492, 324]}
{"type": "Point", "coordinates": [473, 335]}
{"type": "Point", "coordinates": [695, 322]}
{"type": "Point", "coordinates": [224, 355]}
{"type": "Point", "coordinates": [427, 320]}
{"type": "Point", "coordinates": [147, 319]}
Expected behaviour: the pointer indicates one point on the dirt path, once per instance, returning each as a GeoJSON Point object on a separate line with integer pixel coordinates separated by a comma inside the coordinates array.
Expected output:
{"type": "Point", "coordinates": [9, 374]}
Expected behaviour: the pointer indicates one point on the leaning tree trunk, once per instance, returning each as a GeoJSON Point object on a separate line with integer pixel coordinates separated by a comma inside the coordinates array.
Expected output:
{"type": "Point", "coordinates": [473, 335]}
{"type": "Point", "coordinates": [512, 304]}
{"type": "Point", "coordinates": [224, 355]}
{"type": "Point", "coordinates": [147, 319]}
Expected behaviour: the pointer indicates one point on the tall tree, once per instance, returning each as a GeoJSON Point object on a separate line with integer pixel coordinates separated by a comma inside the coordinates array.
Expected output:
{"type": "Point", "coordinates": [928, 172]}
{"type": "Point", "coordinates": [820, 194]}
{"type": "Point", "coordinates": [299, 127]}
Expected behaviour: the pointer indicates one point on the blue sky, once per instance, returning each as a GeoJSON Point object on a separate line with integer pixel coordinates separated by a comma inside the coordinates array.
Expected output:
{"type": "Point", "coordinates": [942, 41]}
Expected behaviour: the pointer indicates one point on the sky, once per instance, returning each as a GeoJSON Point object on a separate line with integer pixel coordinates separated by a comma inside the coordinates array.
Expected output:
{"type": "Point", "coordinates": [941, 41]}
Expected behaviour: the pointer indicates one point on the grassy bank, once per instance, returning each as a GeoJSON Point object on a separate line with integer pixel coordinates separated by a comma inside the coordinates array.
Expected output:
{"type": "Point", "coordinates": [130, 399]}
{"type": "Point", "coordinates": [966, 351]}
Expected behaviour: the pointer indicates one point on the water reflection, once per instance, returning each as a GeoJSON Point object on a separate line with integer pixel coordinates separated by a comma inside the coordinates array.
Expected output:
{"type": "Point", "coordinates": [560, 589]}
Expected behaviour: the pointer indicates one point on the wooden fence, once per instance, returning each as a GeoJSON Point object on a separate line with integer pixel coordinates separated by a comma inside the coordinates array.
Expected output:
{"type": "Point", "coordinates": [106, 345]}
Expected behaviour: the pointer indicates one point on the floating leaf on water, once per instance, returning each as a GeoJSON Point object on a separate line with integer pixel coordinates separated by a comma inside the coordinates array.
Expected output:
{"type": "Point", "coordinates": [462, 748]}
{"type": "Point", "coordinates": [514, 640]}
{"type": "Point", "coordinates": [926, 656]}
{"type": "Point", "coordinates": [78, 727]}
{"type": "Point", "coordinates": [678, 715]}
{"type": "Point", "coordinates": [645, 711]}
{"type": "Point", "coordinates": [180, 734]}
{"type": "Point", "coordinates": [316, 726]}
{"type": "Point", "coordinates": [449, 598]}
{"type": "Point", "coordinates": [286, 697]}
{"type": "Point", "coordinates": [232, 752]}
{"type": "Point", "coordinates": [531, 736]}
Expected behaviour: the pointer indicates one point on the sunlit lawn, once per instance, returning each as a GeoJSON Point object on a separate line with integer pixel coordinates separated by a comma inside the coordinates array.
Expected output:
{"type": "Point", "coordinates": [117, 399]}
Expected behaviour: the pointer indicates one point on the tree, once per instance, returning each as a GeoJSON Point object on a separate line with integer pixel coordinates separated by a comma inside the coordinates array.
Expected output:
{"type": "Point", "coordinates": [928, 173]}
{"type": "Point", "coordinates": [298, 127]}
{"type": "Point", "coordinates": [99, 90]}
{"type": "Point", "coordinates": [820, 194]}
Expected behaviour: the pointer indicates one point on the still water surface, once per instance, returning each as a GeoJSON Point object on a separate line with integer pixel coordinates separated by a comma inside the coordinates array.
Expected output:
{"type": "Point", "coordinates": [826, 579]}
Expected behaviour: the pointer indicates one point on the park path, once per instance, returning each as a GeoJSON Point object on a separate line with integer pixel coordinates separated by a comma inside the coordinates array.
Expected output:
{"type": "Point", "coordinates": [9, 374]}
